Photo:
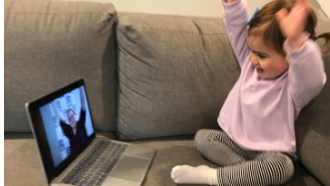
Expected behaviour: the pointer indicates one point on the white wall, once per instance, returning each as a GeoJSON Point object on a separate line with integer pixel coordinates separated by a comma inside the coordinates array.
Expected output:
{"type": "Point", "coordinates": [325, 4]}
{"type": "Point", "coordinates": [203, 8]}
{"type": "Point", "coordinates": [199, 8]}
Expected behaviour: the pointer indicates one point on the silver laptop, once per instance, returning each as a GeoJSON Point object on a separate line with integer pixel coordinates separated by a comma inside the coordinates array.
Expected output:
{"type": "Point", "coordinates": [70, 152]}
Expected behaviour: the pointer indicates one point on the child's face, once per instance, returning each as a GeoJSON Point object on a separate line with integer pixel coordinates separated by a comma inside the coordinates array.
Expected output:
{"type": "Point", "coordinates": [268, 63]}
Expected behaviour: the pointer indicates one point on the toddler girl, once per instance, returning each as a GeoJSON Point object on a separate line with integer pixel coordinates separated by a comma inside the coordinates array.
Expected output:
{"type": "Point", "coordinates": [281, 72]}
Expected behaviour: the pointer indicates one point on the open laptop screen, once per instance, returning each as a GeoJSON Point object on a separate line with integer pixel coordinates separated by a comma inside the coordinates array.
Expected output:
{"type": "Point", "coordinates": [67, 123]}
{"type": "Point", "coordinates": [62, 126]}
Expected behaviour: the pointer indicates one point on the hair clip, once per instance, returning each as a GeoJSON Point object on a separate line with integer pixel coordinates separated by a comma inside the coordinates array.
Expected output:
{"type": "Point", "coordinates": [249, 20]}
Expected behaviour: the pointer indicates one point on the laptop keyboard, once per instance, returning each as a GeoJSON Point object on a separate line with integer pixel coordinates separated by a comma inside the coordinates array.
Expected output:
{"type": "Point", "coordinates": [94, 168]}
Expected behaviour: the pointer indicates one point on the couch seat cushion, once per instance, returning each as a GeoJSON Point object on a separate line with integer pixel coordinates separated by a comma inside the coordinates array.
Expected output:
{"type": "Point", "coordinates": [23, 167]}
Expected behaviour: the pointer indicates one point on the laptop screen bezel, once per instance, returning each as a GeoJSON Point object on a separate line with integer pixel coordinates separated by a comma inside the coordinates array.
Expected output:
{"type": "Point", "coordinates": [39, 132]}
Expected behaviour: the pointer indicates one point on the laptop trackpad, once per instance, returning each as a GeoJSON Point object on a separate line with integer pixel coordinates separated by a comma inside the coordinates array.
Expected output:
{"type": "Point", "coordinates": [130, 168]}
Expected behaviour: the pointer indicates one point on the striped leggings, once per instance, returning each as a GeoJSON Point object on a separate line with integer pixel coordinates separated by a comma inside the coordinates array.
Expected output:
{"type": "Point", "coordinates": [241, 167]}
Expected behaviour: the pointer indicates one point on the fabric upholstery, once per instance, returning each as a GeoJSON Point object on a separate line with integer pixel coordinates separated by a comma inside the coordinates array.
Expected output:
{"type": "Point", "coordinates": [49, 44]}
{"type": "Point", "coordinates": [22, 161]}
{"type": "Point", "coordinates": [174, 74]}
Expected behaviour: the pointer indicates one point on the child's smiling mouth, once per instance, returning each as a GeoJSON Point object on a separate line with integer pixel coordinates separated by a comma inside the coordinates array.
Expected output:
{"type": "Point", "coordinates": [259, 70]}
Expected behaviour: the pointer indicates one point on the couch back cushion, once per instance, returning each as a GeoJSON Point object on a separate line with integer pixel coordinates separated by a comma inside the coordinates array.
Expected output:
{"type": "Point", "coordinates": [49, 44]}
{"type": "Point", "coordinates": [174, 74]}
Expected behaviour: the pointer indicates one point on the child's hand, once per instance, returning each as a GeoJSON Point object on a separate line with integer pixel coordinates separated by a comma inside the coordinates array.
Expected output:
{"type": "Point", "coordinates": [292, 24]}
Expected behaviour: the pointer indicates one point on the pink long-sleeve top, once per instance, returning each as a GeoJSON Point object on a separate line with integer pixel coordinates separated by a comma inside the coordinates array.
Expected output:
{"type": "Point", "coordinates": [259, 114]}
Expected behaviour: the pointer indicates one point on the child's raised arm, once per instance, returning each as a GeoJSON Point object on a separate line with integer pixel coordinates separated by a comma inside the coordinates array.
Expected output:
{"type": "Point", "coordinates": [235, 15]}
{"type": "Point", "coordinates": [306, 71]}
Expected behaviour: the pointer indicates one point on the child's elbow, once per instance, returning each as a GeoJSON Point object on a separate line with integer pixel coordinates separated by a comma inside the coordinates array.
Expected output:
{"type": "Point", "coordinates": [321, 82]}
{"type": "Point", "coordinates": [318, 85]}
{"type": "Point", "coordinates": [306, 94]}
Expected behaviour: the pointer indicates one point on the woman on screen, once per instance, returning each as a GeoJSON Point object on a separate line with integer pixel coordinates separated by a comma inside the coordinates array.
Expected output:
{"type": "Point", "coordinates": [75, 131]}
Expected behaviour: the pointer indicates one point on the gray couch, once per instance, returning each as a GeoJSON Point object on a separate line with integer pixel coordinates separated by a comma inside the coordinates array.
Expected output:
{"type": "Point", "coordinates": [151, 79]}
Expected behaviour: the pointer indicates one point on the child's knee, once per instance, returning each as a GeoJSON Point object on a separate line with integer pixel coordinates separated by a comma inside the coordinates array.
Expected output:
{"type": "Point", "coordinates": [200, 138]}
{"type": "Point", "coordinates": [203, 136]}
{"type": "Point", "coordinates": [289, 168]}
{"type": "Point", "coordinates": [282, 167]}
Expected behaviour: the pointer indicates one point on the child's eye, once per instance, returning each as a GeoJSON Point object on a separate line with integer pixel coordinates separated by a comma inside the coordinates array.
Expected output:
{"type": "Point", "coordinates": [261, 56]}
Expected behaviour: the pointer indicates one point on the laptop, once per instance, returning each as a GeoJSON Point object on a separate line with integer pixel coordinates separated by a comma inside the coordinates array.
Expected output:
{"type": "Point", "coordinates": [71, 153]}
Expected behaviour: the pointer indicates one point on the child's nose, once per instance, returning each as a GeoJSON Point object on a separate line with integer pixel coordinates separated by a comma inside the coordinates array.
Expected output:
{"type": "Point", "coordinates": [255, 62]}
{"type": "Point", "coordinates": [253, 59]}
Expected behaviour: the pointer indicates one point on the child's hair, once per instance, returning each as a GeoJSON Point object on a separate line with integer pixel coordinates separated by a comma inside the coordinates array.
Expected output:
{"type": "Point", "coordinates": [264, 24]}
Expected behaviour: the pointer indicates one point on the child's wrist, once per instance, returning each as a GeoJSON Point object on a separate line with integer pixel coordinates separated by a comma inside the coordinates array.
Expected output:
{"type": "Point", "coordinates": [296, 43]}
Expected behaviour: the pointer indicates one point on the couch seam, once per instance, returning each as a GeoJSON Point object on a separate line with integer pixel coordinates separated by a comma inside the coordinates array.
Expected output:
{"type": "Point", "coordinates": [148, 29]}
{"type": "Point", "coordinates": [70, 13]}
